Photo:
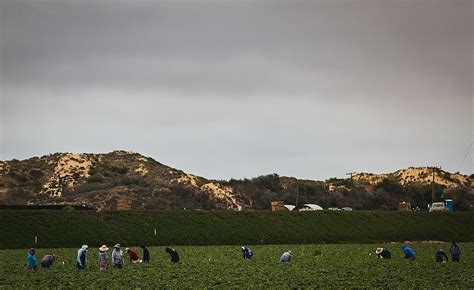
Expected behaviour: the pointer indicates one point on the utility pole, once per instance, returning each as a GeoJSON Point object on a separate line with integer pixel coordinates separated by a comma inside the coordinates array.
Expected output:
{"type": "Point", "coordinates": [351, 174]}
{"type": "Point", "coordinates": [297, 195]}
{"type": "Point", "coordinates": [433, 168]}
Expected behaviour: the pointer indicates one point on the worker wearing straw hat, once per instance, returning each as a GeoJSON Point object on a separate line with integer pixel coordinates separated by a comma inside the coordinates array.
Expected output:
{"type": "Point", "coordinates": [103, 257]}
{"type": "Point", "coordinates": [383, 253]}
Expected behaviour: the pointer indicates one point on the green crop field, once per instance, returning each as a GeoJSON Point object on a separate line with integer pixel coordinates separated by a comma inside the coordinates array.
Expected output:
{"type": "Point", "coordinates": [340, 265]}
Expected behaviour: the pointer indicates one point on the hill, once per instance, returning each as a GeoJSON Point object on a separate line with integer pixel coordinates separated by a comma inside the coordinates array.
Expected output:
{"type": "Point", "coordinates": [127, 180]}
{"type": "Point", "coordinates": [107, 181]}
{"type": "Point", "coordinates": [420, 175]}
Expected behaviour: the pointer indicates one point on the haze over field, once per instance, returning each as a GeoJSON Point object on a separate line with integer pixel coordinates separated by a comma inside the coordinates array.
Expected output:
{"type": "Point", "coordinates": [312, 89]}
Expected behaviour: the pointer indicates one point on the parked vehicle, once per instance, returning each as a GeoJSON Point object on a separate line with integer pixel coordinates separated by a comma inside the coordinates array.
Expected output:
{"type": "Point", "coordinates": [438, 206]}
{"type": "Point", "coordinates": [347, 208]}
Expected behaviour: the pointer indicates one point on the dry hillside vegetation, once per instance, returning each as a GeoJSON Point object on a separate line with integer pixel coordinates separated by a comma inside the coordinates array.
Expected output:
{"type": "Point", "coordinates": [141, 169]}
{"type": "Point", "coordinates": [418, 175]}
{"type": "Point", "coordinates": [424, 175]}
{"type": "Point", "coordinates": [216, 191]}
{"type": "Point", "coordinates": [127, 180]}
{"type": "Point", "coordinates": [69, 169]}
{"type": "Point", "coordinates": [370, 177]}
{"type": "Point", "coordinates": [4, 167]}
{"type": "Point", "coordinates": [188, 179]}
{"type": "Point", "coordinates": [224, 193]}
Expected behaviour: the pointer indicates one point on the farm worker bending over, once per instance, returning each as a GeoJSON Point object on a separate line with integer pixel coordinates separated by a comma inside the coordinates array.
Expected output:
{"type": "Point", "coordinates": [441, 256]}
{"type": "Point", "coordinates": [383, 253]}
{"type": "Point", "coordinates": [132, 253]}
{"type": "Point", "coordinates": [173, 254]}
{"type": "Point", "coordinates": [81, 260]}
{"type": "Point", "coordinates": [409, 254]}
{"type": "Point", "coordinates": [117, 257]}
{"type": "Point", "coordinates": [103, 257]}
{"type": "Point", "coordinates": [47, 261]}
{"type": "Point", "coordinates": [455, 251]}
{"type": "Point", "coordinates": [31, 259]}
{"type": "Point", "coordinates": [146, 254]}
{"type": "Point", "coordinates": [286, 257]}
{"type": "Point", "coordinates": [247, 253]}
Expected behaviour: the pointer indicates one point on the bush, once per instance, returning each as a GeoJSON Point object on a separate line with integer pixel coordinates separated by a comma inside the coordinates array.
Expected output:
{"type": "Point", "coordinates": [116, 167]}
{"type": "Point", "coordinates": [228, 228]}
{"type": "Point", "coordinates": [92, 186]}
{"type": "Point", "coordinates": [463, 199]}
{"type": "Point", "coordinates": [391, 186]}
{"type": "Point", "coordinates": [97, 178]}
{"type": "Point", "coordinates": [270, 182]}
{"type": "Point", "coordinates": [130, 180]}
{"type": "Point", "coordinates": [69, 208]}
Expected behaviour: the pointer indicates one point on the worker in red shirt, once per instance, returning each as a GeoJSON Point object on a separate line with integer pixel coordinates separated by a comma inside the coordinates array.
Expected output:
{"type": "Point", "coordinates": [132, 253]}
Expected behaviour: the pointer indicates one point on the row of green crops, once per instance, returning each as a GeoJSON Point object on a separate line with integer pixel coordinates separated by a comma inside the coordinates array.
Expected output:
{"type": "Point", "coordinates": [339, 266]}
{"type": "Point", "coordinates": [73, 228]}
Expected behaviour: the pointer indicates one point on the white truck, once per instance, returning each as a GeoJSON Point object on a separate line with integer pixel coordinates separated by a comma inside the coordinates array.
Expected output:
{"type": "Point", "coordinates": [438, 206]}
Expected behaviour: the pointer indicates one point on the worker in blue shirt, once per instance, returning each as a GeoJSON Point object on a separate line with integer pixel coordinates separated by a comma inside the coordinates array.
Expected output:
{"type": "Point", "coordinates": [31, 258]}
{"type": "Point", "coordinates": [409, 253]}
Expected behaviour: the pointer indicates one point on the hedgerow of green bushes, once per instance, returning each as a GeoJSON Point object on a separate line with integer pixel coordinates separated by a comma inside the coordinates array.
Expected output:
{"type": "Point", "coordinates": [72, 228]}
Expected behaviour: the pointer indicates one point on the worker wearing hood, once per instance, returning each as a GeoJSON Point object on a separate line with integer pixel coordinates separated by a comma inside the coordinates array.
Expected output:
{"type": "Point", "coordinates": [82, 257]}
{"type": "Point", "coordinates": [31, 258]}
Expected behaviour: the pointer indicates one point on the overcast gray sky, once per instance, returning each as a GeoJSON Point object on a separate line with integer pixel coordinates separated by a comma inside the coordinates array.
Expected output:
{"type": "Point", "coordinates": [222, 89]}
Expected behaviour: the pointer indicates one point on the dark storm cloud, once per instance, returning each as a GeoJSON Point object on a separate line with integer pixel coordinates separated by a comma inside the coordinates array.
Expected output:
{"type": "Point", "coordinates": [239, 88]}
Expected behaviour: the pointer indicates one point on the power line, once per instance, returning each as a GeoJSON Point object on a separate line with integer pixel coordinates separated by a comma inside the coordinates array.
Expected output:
{"type": "Point", "coordinates": [453, 157]}
{"type": "Point", "coordinates": [465, 156]}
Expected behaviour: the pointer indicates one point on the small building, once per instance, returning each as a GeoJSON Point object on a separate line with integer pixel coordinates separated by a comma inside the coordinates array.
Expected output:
{"type": "Point", "coordinates": [124, 204]}
{"type": "Point", "coordinates": [289, 207]}
{"type": "Point", "coordinates": [278, 205]}
{"type": "Point", "coordinates": [310, 207]}
{"type": "Point", "coordinates": [449, 204]}
{"type": "Point", "coordinates": [404, 206]}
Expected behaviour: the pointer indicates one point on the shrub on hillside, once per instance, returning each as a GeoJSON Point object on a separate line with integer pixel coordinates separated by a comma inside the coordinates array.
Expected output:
{"type": "Point", "coordinates": [116, 167]}
{"type": "Point", "coordinates": [96, 178]}
{"type": "Point", "coordinates": [391, 185]}
{"type": "Point", "coordinates": [91, 186]}
{"type": "Point", "coordinates": [130, 180]}
{"type": "Point", "coordinates": [463, 199]}
{"type": "Point", "coordinates": [68, 208]}
{"type": "Point", "coordinates": [270, 182]}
